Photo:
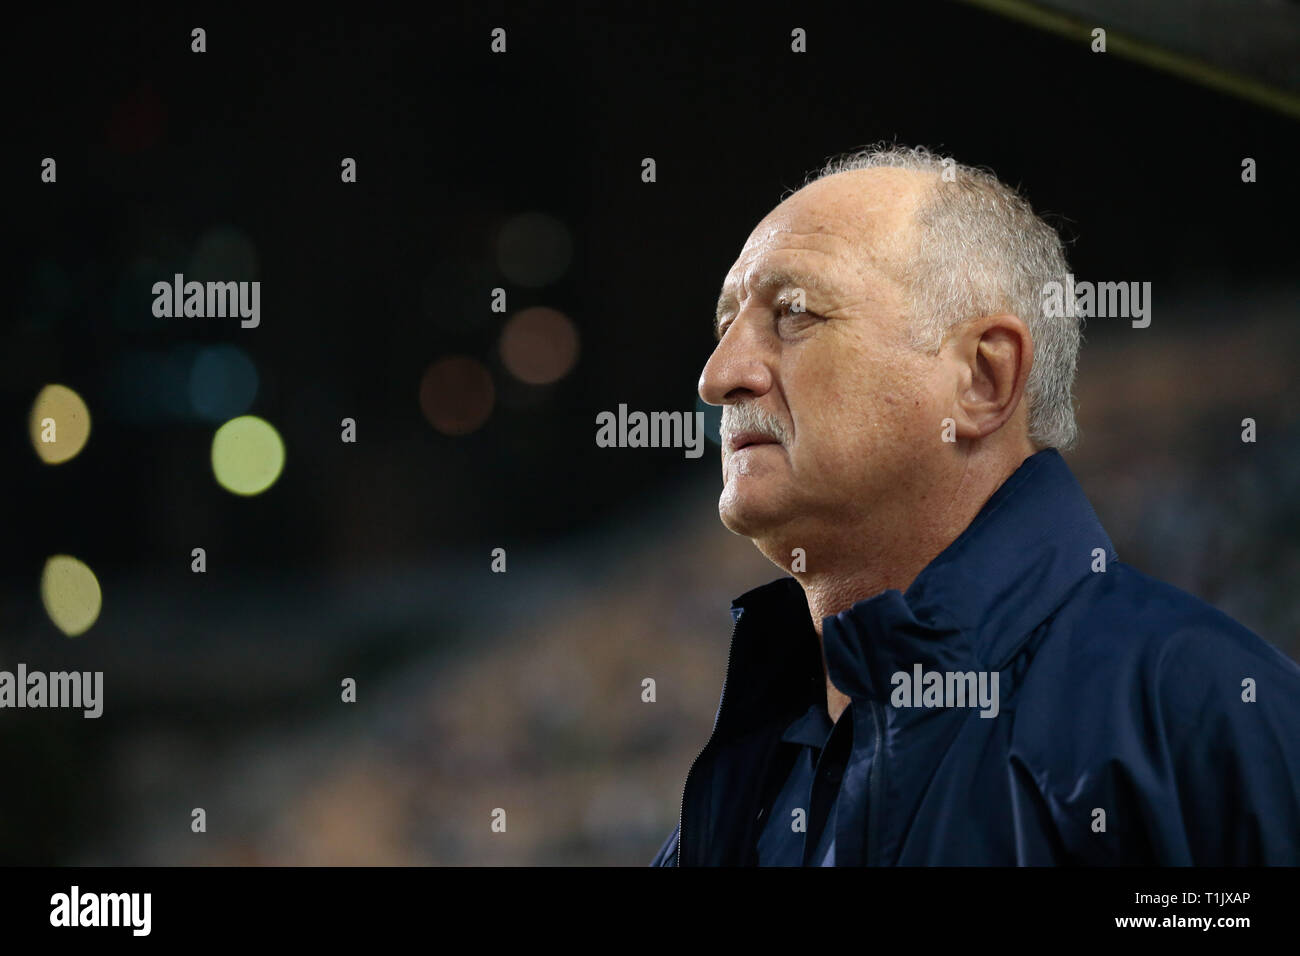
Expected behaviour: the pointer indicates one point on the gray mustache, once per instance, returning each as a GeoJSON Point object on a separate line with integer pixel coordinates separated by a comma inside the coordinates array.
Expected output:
{"type": "Point", "coordinates": [750, 417]}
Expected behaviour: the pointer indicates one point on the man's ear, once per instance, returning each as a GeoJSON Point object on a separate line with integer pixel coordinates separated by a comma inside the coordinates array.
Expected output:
{"type": "Point", "coordinates": [991, 357]}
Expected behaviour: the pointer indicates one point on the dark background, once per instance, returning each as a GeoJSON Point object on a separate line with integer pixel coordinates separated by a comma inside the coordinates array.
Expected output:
{"type": "Point", "coordinates": [372, 560]}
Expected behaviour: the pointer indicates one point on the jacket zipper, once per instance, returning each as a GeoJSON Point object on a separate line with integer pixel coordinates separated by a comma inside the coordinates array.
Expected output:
{"type": "Point", "coordinates": [873, 807]}
{"type": "Point", "coordinates": [722, 700]}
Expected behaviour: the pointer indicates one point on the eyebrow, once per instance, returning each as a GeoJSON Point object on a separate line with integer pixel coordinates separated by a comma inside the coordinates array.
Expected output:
{"type": "Point", "coordinates": [769, 281]}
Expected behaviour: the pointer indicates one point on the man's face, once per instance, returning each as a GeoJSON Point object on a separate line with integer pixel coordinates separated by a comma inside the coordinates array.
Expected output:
{"type": "Point", "coordinates": [828, 414]}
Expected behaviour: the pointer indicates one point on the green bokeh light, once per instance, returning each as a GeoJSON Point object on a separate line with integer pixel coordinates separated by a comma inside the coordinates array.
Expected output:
{"type": "Point", "coordinates": [247, 455]}
{"type": "Point", "coordinates": [70, 593]}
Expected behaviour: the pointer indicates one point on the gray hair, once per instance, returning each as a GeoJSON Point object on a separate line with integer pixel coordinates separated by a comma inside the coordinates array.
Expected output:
{"type": "Point", "coordinates": [983, 250]}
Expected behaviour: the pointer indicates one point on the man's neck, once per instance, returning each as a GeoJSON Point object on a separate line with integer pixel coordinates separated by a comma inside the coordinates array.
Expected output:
{"type": "Point", "coordinates": [863, 571]}
{"type": "Point", "coordinates": [827, 595]}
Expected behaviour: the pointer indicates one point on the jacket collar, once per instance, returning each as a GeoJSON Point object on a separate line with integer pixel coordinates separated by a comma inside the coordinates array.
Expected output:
{"type": "Point", "coordinates": [971, 608]}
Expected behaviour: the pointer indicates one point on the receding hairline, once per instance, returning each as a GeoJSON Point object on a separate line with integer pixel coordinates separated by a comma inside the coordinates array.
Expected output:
{"type": "Point", "coordinates": [922, 195]}
{"type": "Point", "coordinates": [922, 190]}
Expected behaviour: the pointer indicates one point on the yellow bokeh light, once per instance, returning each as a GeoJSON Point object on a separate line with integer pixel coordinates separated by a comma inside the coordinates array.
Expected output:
{"type": "Point", "coordinates": [247, 455]}
{"type": "Point", "coordinates": [71, 595]}
{"type": "Point", "coordinates": [59, 424]}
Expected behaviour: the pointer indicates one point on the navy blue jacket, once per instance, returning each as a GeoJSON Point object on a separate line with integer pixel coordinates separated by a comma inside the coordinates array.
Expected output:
{"type": "Point", "coordinates": [1136, 724]}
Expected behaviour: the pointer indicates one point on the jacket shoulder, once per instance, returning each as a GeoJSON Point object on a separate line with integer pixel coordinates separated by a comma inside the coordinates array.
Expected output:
{"type": "Point", "coordinates": [1123, 620]}
{"type": "Point", "coordinates": [1146, 699]}
{"type": "Point", "coordinates": [667, 855]}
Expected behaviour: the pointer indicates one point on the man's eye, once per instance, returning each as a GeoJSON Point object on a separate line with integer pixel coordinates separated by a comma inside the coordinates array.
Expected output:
{"type": "Point", "coordinates": [785, 312]}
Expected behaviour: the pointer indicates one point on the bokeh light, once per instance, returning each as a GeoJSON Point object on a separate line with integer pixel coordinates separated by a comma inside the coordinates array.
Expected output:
{"type": "Point", "coordinates": [456, 394]}
{"type": "Point", "coordinates": [247, 455]}
{"type": "Point", "coordinates": [70, 593]}
{"type": "Point", "coordinates": [223, 383]}
{"type": "Point", "coordinates": [59, 414]}
{"type": "Point", "coordinates": [539, 345]}
{"type": "Point", "coordinates": [534, 249]}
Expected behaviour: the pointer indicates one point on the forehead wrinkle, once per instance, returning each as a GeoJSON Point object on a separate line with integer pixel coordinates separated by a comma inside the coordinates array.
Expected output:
{"type": "Point", "coordinates": [848, 231]}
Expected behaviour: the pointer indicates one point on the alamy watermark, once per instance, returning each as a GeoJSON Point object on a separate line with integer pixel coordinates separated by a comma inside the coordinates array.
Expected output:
{"type": "Point", "coordinates": [922, 688]}
{"type": "Point", "coordinates": [1124, 300]}
{"type": "Point", "coordinates": [209, 300]}
{"type": "Point", "coordinates": [626, 429]}
{"type": "Point", "coordinates": [58, 689]}
{"type": "Point", "coordinates": [75, 908]}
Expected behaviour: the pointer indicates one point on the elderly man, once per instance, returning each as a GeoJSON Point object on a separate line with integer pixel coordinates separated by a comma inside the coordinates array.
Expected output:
{"type": "Point", "coordinates": [959, 670]}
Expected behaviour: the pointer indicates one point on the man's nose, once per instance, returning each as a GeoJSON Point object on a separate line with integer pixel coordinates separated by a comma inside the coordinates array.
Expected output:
{"type": "Point", "coordinates": [739, 368]}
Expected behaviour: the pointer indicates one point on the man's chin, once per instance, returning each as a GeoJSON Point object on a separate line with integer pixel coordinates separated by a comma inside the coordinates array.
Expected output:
{"type": "Point", "coordinates": [748, 514]}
